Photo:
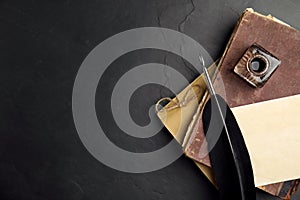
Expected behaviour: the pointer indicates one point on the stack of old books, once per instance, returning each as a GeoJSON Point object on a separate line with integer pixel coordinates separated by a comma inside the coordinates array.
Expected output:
{"type": "Point", "coordinates": [268, 113]}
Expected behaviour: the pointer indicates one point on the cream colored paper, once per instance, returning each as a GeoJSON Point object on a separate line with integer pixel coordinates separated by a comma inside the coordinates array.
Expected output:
{"type": "Point", "coordinates": [271, 130]}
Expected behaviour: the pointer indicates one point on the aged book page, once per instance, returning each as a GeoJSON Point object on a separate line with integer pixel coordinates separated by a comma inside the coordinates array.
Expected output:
{"type": "Point", "coordinates": [271, 130]}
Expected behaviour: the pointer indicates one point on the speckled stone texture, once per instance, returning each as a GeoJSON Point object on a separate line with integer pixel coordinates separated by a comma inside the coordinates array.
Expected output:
{"type": "Point", "coordinates": [43, 44]}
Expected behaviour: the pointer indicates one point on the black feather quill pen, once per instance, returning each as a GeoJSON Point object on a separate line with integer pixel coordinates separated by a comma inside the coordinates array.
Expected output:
{"type": "Point", "coordinates": [228, 152]}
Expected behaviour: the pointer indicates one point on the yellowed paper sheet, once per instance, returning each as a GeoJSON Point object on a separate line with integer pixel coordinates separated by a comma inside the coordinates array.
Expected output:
{"type": "Point", "coordinates": [271, 130]}
{"type": "Point", "coordinates": [177, 114]}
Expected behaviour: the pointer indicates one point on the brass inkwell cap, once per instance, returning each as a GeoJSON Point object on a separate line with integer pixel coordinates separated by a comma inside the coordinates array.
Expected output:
{"type": "Point", "coordinates": [256, 66]}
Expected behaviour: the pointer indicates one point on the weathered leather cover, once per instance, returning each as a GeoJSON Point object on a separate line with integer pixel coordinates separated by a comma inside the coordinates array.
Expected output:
{"type": "Point", "coordinates": [279, 39]}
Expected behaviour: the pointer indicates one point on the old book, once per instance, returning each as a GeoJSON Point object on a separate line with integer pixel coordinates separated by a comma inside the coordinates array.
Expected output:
{"type": "Point", "coordinates": [283, 42]}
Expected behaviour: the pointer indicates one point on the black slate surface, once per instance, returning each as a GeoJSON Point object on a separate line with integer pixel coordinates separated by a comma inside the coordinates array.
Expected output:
{"type": "Point", "coordinates": [43, 44]}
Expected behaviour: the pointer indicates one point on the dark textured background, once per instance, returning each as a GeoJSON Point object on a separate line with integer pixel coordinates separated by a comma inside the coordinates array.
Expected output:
{"type": "Point", "coordinates": [43, 44]}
